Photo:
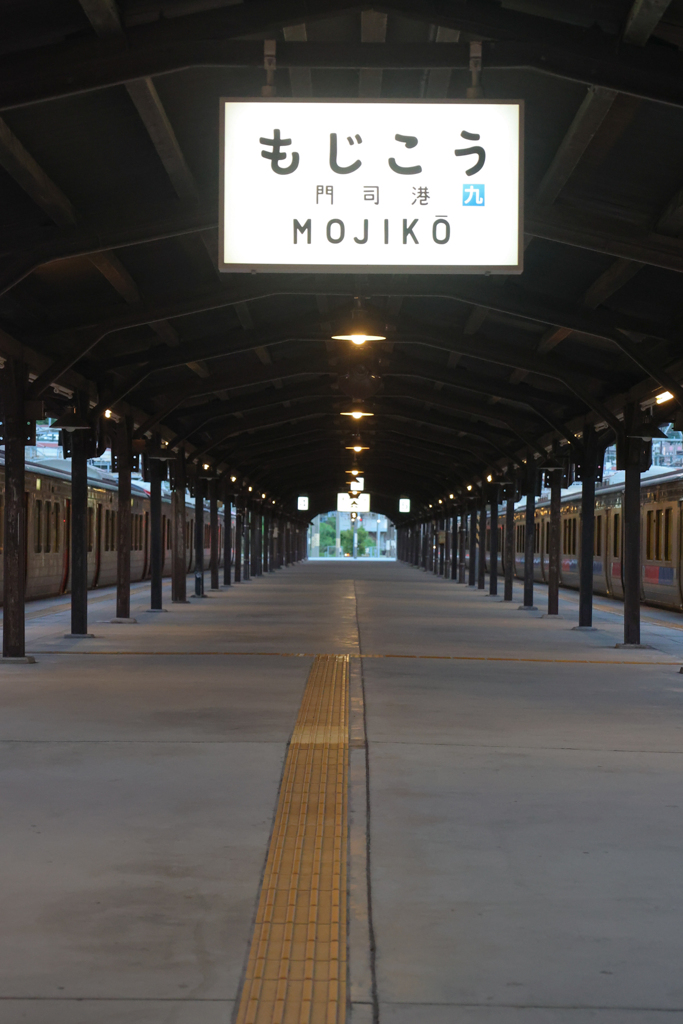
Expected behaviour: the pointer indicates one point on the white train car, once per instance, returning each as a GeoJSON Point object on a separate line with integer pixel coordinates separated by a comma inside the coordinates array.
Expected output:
{"type": "Point", "coordinates": [47, 498]}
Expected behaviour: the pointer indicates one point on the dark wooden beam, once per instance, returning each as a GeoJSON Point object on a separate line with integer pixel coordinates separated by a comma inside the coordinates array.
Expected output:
{"type": "Point", "coordinates": [643, 19]}
{"type": "Point", "coordinates": [592, 58]}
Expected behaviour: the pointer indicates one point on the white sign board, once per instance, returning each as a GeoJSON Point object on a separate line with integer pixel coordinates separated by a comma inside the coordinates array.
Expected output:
{"type": "Point", "coordinates": [404, 504]}
{"type": "Point", "coordinates": [384, 187]}
{"type": "Point", "coordinates": [302, 503]}
{"type": "Point", "coordinates": [357, 484]}
{"type": "Point", "coordinates": [345, 503]}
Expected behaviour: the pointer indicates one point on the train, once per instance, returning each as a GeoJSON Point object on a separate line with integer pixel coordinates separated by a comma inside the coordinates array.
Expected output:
{"type": "Point", "coordinates": [661, 504]}
{"type": "Point", "coordinates": [47, 495]}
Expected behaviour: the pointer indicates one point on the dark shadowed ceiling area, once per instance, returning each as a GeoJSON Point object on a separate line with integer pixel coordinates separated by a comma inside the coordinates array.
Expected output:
{"type": "Point", "coordinates": [109, 156]}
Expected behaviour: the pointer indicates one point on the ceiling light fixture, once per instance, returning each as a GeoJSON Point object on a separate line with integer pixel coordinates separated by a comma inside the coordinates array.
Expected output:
{"type": "Point", "coordinates": [665, 396]}
{"type": "Point", "coordinates": [489, 478]}
{"type": "Point", "coordinates": [107, 414]}
{"type": "Point", "coordinates": [233, 478]}
{"type": "Point", "coordinates": [356, 448]}
{"type": "Point", "coordinates": [361, 328]}
{"type": "Point", "coordinates": [357, 414]}
{"type": "Point", "coordinates": [469, 487]}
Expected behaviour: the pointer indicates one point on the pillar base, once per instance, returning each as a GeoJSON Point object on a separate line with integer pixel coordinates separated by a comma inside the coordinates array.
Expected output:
{"type": "Point", "coordinates": [527, 608]}
{"type": "Point", "coordinates": [27, 659]}
{"type": "Point", "coordinates": [79, 636]}
{"type": "Point", "coordinates": [637, 647]}
{"type": "Point", "coordinates": [127, 621]}
{"type": "Point", "coordinates": [184, 601]}
{"type": "Point", "coordinates": [156, 610]}
{"type": "Point", "coordinates": [198, 595]}
{"type": "Point", "coordinates": [584, 629]}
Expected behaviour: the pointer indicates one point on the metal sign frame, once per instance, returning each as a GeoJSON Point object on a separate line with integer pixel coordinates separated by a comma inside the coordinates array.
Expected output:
{"type": "Point", "coordinates": [358, 268]}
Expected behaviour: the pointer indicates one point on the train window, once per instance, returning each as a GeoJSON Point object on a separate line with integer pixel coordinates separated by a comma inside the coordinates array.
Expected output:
{"type": "Point", "coordinates": [91, 527]}
{"type": "Point", "coordinates": [597, 536]}
{"type": "Point", "coordinates": [58, 527]}
{"type": "Point", "coordinates": [659, 532]}
{"type": "Point", "coordinates": [107, 526]}
{"type": "Point", "coordinates": [668, 517]}
{"type": "Point", "coordinates": [520, 539]}
{"type": "Point", "coordinates": [38, 527]}
{"type": "Point", "coordinates": [649, 534]}
{"type": "Point", "coordinates": [48, 526]}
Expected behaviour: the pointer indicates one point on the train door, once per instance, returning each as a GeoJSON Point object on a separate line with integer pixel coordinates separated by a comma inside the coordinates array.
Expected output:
{"type": "Point", "coordinates": [66, 561]}
{"type": "Point", "coordinates": [98, 544]}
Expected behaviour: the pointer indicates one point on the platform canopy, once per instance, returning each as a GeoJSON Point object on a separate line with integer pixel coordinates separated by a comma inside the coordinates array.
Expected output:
{"type": "Point", "coordinates": [109, 262]}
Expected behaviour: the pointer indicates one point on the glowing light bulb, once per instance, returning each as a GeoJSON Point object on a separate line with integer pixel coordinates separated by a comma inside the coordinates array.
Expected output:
{"type": "Point", "coordinates": [107, 414]}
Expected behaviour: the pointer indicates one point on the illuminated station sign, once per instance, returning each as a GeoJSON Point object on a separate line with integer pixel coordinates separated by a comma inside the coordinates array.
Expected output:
{"type": "Point", "coordinates": [390, 187]}
{"type": "Point", "coordinates": [359, 503]}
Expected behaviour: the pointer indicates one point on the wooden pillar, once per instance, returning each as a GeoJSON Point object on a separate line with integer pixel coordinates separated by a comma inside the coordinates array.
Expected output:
{"type": "Point", "coordinates": [12, 382]}
{"type": "Point", "coordinates": [198, 537]}
{"type": "Point", "coordinates": [213, 521]}
{"type": "Point", "coordinates": [179, 552]}
{"type": "Point", "coordinates": [124, 520]}
{"type": "Point", "coordinates": [79, 533]}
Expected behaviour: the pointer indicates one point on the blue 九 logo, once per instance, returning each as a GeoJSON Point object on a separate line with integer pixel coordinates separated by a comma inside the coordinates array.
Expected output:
{"type": "Point", "coordinates": [473, 195]}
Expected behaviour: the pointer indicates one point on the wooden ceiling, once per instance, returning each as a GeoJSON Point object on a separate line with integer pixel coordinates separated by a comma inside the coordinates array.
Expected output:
{"type": "Point", "coordinates": [108, 249]}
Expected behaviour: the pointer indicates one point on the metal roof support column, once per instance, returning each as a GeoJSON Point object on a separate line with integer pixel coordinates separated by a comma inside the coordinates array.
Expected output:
{"type": "Point", "coordinates": [246, 574]}
{"type": "Point", "coordinates": [481, 565]}
{"type": "Point", "coordinates": [554, 543]}
{"type": "Point", "coordinates": [12, 382]}
{"type": "Point", "coordinates": [123, 519]}
{"type": "Point", "coordinates": [631, 543]}
{"type": "Point", "coordinates": [442, 548]}
{"type": "Point", "coordinates": [493, 557]}
{"type": "Point", "coordinates": [462, 561]}
{"type": "Point", "coordinates": [589, 459]}
{"type": "Point", "coordinates": [213, 521]}
{"type": "Point", "coordinates": [238, 541]}
{"type": "Point", "coordinates": [178, 511]}
{"type": "Point", "coordinates": [79, 533]}
{"type": "Point", "coordinates": [472, 573]}
{"type": "Point", "coordinates": [265, 558]}
{"type": "Point", "coordinates": [448, 549]}
{"type": "Point", "coordinates": [155, 535]}
{"type": "Point", "coordinates": [509, 547]}
{"type": "Point", "coordinates": [199, 538]}
{"type": "Point", "coordinates": [227, 535]}
{"type": "Point", "coordinates": [529, 536]}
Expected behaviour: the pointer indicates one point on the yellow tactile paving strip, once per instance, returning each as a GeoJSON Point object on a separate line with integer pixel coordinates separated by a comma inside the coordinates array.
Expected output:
{"type": "Point", "coordinates": [296, 972]}
{"type": "Point", "coordinates": [414, 657]}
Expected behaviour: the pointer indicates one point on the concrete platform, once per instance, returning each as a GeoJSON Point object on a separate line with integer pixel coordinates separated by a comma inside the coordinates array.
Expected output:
{"type": "Point", "coordinates": [525, 802]}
